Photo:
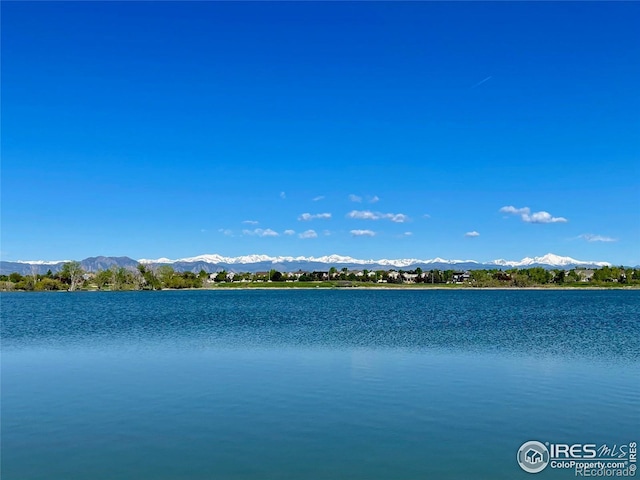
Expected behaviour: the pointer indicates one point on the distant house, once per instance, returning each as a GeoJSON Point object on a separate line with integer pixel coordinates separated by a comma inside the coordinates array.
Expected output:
{"type": "Point", "coordinates": [461, 277]}
{"type": "Point", "coordinates": [261, 276]}
{"type": "Point", "coordinates": [393, 275]}
{"type": "Point", "coordinates": [410, 277]}
{"type": "Point", "coordinates": [321, 275]}
{"type": "Point", "coordinates": [585, 274]}
{"type": "Point", "coordinates": [228, 278]}
{"type": "Point", "coordinates": [503, 277]}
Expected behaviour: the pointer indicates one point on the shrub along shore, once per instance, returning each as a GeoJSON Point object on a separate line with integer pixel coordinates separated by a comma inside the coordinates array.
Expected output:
{"type": "Point", "coordinates": [72, 277]}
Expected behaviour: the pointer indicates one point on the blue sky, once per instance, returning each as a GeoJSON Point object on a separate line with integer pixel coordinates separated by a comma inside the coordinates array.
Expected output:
{"type": "Point", "coordinates": [461, 130]}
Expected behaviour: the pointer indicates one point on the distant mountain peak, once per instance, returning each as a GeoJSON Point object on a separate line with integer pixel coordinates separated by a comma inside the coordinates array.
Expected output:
{"type": "Point", "coordinates": [550, 259]}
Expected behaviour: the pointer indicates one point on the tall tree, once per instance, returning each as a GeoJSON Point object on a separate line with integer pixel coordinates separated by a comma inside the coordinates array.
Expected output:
{"type": "Point", "coordinates": [71, 273]}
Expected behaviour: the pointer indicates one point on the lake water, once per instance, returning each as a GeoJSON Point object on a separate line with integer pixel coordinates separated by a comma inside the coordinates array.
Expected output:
{"type": "Point", "coordinates": [310, 384]}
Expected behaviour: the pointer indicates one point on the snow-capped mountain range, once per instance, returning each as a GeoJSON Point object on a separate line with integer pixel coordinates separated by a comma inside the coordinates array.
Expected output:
{"type": "Point", "coordinates": [328, 259]}
{"type": "Point", "coordinates": [549, 259]}
{"type": "Point", "coordinates": [253, 263]}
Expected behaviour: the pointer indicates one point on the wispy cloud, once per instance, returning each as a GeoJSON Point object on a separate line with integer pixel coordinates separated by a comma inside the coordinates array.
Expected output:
{"type": "Point", "coordinates": [226, 232]}
{"type": "Point", "coordinates": [363, 215]}
{"type": "Point", "coordinates": [397, 217]}
{"type": "Point", "coordinates": [367, 198]}
{"type": "Point", "coordinates": [515, 211]}
{"type": "Point", "coordinates": [308, 234]}
{"type": "Point", "coordinates": [472, 234]}
{"type": "Point", "coordinates": [250, 222]}
{"type": "Point", "coordinates": [535, 217]}
{"type": "Point", "coordinates": [318, 198]}
{"type": "Point", "coordinates": [369, 215]}
{"type": "Point", "coordinates": [283, 195]}
{"type": "Point", "coordinates": [426, 215]}
{"type": "Point", "coordinates": [326, 233]}
{"type": "Point", "coordinates": [309, 216]}
{"type": "Point", "coordinates": [482, 81]}
{"type": "Point", "coordinates": [590, 237]}
{"type": "Point", "coordinates": [289, 232]}
{"type": "Point", "coordinates": [259, 232]}
{"type": "Point", "coordinates": [363, 233]}
{"type": "Point", "coordinates": [543, 217]}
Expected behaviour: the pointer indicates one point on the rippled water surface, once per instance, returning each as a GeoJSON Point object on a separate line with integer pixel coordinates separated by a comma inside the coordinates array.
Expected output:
{"type": "Point", "coordinates": [312, 384]}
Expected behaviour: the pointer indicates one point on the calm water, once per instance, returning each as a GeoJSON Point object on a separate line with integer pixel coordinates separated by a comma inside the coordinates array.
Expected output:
{"type": "Point", "coordinates": [312, 384]}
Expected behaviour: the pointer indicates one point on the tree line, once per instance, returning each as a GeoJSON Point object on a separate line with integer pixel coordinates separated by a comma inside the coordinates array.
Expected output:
{"type": "Point", "coordinates": [72, 277]}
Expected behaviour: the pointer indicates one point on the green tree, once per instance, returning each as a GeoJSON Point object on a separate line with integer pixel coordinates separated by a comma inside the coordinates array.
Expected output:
{"type": "Point", "coordinates": [15, 277]}
{"type": "Point", "coordinates": [103, 278]}
{"type": "Point", "coordinates": [26, 283]}
{"type": "Point", "coordinates": [49, 284]}
{"type": "Point", "coordinates": [165, 275]}
{"type": "Point", "coordinates": [343, 274]}
{"type": "Point", "coordinates": [149, 278]}
{"type": "Point", "coordinates": [71, 274]}
{"type": "Point", "coordinates": [123, 279]}
{"type": "Point", "coordinates": [221, 277]}
{"type": "Point", "coordinates": [275, 276]}
{"type": "Point", "coordinates": [538, 275]}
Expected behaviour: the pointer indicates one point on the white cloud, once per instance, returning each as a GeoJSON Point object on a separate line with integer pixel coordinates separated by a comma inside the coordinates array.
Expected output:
{"type": "Point", "coordinates": [408, 234]}
{"type": "Point", "coordinates": [355, 198]}
{"type": "Point", "coordinates": [308, 216]}
{"type": "Point", "coordinates": [289, 232]}
{"type": "Point", "coordinates": [363, 233]}
{"type": "Point", "coordinates": [250, 222]}
{"type": "Point", "coordinates": [397, 217]}
{"type": "Point", "coordinates": [259, 232]}
{"type": "Point", "coordinates": [363, 215]}
{"type": "Point", "coordinates": [308, 234]}
{"type": "Point", "coordinates": [326, 233]}
{"type": "Point", "coordinates": [535, 217]}
{"type": "Point", "coordinates": [590, 237]}
{"type": "Point", "coordinates": [226, 231]}
{"type": "Point", "coordinates": [369, 215]}
{"type": "Point", "coordinates": [426, 215]}
{"type": "Point", "coordinates": [542, 217]}
{"type": "Point", "coordinates": [515, 211]}
{"type": "Point", "coordinates": [283, 195]}
{"type": "Point", "coordinates": [374, 199]}
{"type": "Point", "coordinates": [472, 234]}
{"type": "Point", "coordinates": [318, 198]}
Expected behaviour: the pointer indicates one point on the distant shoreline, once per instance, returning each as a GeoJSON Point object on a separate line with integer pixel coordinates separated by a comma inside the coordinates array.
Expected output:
{"type": "Point", "coordinates": [360, 288]}
{"type": "Point", "coordinates": [410, 287]}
